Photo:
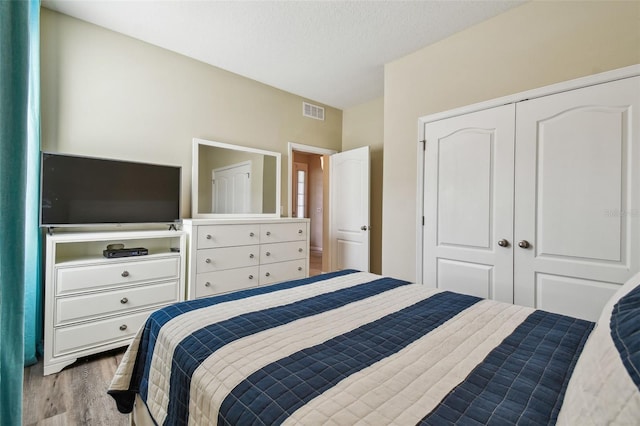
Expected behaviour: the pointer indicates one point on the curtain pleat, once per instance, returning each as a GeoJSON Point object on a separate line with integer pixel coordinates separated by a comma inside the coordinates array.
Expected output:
{"type": "Point", "coordinates": [32, 279]}
{"type": "Point", "coordinates": [18, 147]}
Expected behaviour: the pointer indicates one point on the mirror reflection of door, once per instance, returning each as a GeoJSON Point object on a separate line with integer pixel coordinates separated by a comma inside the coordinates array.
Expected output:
{"type": "Point", "coordinates": [231, 188]}
{"type": "Point", "coordinates": [300, 190]}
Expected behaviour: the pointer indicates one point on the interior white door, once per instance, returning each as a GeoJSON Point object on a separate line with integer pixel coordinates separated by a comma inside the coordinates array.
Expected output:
{"type": "Point", "coordinates": [349, 176]}
{"type": "Point", "coordinates": [468, 203]}
{"type": "Point", "coordinates": [577, 202]}
{"type": "Point", "coordinates": [231, 188]}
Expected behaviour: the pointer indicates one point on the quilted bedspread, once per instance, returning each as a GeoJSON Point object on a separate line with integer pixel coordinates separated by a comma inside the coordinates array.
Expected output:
{"type": "Point", "coordinates": [350, 348]}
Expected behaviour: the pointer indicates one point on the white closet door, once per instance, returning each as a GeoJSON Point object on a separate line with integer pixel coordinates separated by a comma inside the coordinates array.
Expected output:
{"type": "Point", "coordinates": [577, 200]}
{"type": "Point", "coordinates": [468, 203]}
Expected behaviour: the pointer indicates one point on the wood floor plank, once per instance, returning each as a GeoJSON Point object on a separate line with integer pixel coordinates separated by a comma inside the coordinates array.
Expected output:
{"type": "Point", "coordinates": [75, 396]}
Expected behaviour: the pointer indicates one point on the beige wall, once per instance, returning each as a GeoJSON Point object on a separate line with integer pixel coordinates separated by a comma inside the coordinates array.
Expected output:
{"type": "Point", "coordinates": [105, 94]}
{"type": "Point", "coordinates": [364, 125]}
{"type": "Point", "coordinates": [533, 45]}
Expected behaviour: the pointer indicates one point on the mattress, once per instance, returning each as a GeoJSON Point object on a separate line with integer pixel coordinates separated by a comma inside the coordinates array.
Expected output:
{"type": "Point", "coordinates": [350, 347]}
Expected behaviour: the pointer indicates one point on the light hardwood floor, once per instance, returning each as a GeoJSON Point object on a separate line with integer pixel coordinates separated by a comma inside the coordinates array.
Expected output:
{"type": "Point", "coordinates": [78, 394]}
{"type": "Point", "coordinates": [315, 263]}
{"type": "Point", "coordinates": [75, 396]}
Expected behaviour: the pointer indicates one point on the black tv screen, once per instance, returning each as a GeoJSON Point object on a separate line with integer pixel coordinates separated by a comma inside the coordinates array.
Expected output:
{"type": "Point", "coordinates": [81, 190]}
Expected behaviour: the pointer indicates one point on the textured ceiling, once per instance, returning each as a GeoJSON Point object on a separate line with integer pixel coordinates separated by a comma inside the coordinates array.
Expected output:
{"type": "Point", "coordinates": [331, 52]}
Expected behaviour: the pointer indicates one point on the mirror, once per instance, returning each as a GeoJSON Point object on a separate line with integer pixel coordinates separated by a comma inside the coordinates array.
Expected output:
{"type": "Point", "coordinates": [234, 181]}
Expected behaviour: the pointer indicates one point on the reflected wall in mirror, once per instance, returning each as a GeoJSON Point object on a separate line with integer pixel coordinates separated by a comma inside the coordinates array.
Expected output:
{"type": "Point", "coordinates": [232, 180]}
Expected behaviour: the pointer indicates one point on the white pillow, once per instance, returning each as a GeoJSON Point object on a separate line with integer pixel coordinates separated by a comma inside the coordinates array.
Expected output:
{"type": "Point", "coordinates": [603, 388]}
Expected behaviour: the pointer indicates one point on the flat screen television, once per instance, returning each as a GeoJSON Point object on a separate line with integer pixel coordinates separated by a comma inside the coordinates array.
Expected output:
{"type": "Point", "coordinates": [79, 190]}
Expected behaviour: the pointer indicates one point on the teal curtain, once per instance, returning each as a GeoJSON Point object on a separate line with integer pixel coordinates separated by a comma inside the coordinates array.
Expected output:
{"type": "Point", "coordinates": [32, 280]}
{"type": "Point", "coordinates": [19, 153]}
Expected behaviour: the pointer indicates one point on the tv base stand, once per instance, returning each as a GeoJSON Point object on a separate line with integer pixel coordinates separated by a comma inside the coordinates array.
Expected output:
{"type": "Point", "coordinates": [94, 304]}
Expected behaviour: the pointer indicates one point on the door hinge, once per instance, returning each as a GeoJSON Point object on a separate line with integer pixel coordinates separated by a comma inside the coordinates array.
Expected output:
{"type": "Point", "coordinates": [424, 144]}
{"type": "Point", "coordinates": [422, 220]}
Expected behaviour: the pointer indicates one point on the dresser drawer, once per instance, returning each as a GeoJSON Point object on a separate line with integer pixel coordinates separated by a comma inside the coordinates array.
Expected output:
{"type": "Point", "coordinates": [278, 232]}
{"type": "Point", "coordinates": [212, 236]}
{"type": "Point", "coordinates": [91, 277]}
{"type": "Point", "coordinates": [87, 306]}
{"type": "Point", "coordinates": [218, 259]}
{"type": "Point", "coordinates": [283, 271]}
{"type": "Point", "coordinates": [92, 334]}
{"type": "Point", "coordinates": [281, 252]}
{"type": "Point", "coordinates": [211, 283]}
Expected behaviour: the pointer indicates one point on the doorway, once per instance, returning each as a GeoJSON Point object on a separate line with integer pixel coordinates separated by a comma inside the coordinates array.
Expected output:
{"type": "Point", "coordinates": [308, 196]}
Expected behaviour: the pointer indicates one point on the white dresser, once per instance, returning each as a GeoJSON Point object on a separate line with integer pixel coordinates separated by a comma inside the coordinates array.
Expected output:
{"type": "Point", "coordinates": [229, 255]}
{"type": "Point", "coordinates": [92, 303]}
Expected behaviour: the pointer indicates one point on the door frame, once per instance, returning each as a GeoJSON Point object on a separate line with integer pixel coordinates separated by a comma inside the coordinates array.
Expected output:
{"type": "Point", "coordinates": [309, 149]}
{"type": "Point", "coordinates": [604, 77]}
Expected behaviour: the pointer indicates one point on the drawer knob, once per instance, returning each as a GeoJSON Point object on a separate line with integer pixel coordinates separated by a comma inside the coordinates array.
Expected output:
{"type": "Point", "coordinates": [300, 250]}
{"type": "Point", "coordinates": [124, 300]}
{"type": "Point", "coordinates": [125, 274]}
{"type": "Point", "coordinates": [268, 254]}
{"type": "Point", "coordinates": [207, 260]}
{"type": "Point", "coordinates": [250, 277]}
{"type": "Point", "coordinates": [207, 284]}
{"type": "Point", "coordinates": [268, 233]}
{"type": "Point", "coordinates": [299, 268]}
{"type": "Point", "coordinates": [251, 234]}
{"type": "Point", "coordinates": [267, 274]}
{"type": "Point", "coordinates": [299, 231]}
{"type": "Point", "coordinates": [209, 236]}
{"type": "Point", "coordinates": [123, 327]}
{"type": "Point", "coordinates": [251, 256]}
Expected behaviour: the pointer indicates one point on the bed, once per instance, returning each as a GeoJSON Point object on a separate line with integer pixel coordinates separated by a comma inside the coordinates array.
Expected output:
{"type": "Point", "coordinates": [351, 347]}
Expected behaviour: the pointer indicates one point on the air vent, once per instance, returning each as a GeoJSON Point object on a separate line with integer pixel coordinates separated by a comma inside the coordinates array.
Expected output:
{"type": "Point", "coordinates": [312, 111]}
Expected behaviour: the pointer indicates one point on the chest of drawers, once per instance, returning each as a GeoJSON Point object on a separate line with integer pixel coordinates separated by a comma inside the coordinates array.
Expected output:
{"type": "Point", "coordinates": [92, 303]}
{"type": "Point", "coordinates": [230, 255]}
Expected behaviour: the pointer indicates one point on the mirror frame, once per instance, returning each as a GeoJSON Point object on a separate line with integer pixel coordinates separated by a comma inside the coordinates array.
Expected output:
{"type": "Point", "coordinates": [195, 176]}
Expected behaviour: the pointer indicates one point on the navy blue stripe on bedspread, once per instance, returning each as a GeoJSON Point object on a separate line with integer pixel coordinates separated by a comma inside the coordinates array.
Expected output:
{"type": "Point", "coordinates": [198, 346]}
{"type": "Point", "coordinates": [523, 380]}
{"type": "Point", "coordinates": [269, 395]}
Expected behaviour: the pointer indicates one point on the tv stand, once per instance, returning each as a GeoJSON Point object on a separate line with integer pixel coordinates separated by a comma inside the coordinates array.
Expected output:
{"type": "Point", "coordinates": [94, 304]}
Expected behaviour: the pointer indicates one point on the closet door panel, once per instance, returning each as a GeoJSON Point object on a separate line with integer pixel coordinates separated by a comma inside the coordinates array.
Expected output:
{"type": "Point", "coordinates": [580, 176]}
{"type": "Point", "coordinates": [586, 295]}
{"type": "Point", "coordinates": [577, 196]}
{"type": "Point", "coordinates": [465, 277]}
{"type": "Point", "coordinates": [464, 189]}
{"type": "Point", "coordinates": [469, 203]}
